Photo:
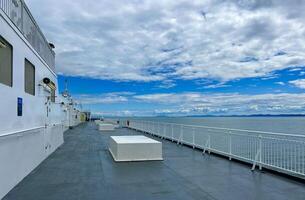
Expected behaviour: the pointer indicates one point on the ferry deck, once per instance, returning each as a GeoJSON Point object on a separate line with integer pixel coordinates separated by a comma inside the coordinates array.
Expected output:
{"type": "Point", "coordinates": [82, 168]}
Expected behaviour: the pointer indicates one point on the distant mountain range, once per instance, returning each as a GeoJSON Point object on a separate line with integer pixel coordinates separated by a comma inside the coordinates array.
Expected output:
{"type": "Point", "coordinates": [253, 115]}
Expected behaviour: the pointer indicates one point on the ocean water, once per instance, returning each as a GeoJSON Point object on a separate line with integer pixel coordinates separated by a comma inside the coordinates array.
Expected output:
{"type": "Point", "coordinates": [287, 125]}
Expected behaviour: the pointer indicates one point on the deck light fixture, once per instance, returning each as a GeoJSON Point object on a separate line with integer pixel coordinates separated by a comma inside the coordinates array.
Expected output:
{"type": "Point", "coordinates": [52, 45]}
{"type": "Point", "coordinates": [49, 83]}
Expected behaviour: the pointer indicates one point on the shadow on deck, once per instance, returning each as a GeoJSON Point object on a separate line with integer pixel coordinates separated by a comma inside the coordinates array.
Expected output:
{"type": "Point", "coordinates": [83, 168]}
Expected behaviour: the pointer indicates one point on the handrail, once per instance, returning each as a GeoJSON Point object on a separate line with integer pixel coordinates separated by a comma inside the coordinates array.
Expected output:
{"type": "Point", "coordinates": [231, 129]}
{"type": "Point", "coordinates": [56, 124]}
{"type": "Point", "coordinates": [264, 149]}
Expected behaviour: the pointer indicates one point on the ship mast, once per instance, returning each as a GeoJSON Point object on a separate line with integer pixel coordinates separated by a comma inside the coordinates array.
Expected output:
{"type": "Point", "coordinates": [66, 92]}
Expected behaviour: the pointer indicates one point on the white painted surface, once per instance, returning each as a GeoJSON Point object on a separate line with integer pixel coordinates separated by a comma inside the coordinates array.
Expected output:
{"type": "Point", "coordinates": [23, 146]}
{"type": "Point", "coordinates": [106, 127]}
{"type": "Point", "coordinates": [20, 153]}
{"type": "Point", "coordinates": [107, 121]}
{"type": "Point", "coordinates": [134, 148]}
{"type": "Point", "coordinates": [97, 122]}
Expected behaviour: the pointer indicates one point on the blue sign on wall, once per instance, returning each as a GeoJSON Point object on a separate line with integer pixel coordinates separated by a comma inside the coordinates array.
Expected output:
{"type": "Point", "coordinates": [19, 106]}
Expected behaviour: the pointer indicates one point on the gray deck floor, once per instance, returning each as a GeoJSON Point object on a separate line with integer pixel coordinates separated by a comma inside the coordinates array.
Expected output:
{"type": "Point", "coordinates": [83, 168]}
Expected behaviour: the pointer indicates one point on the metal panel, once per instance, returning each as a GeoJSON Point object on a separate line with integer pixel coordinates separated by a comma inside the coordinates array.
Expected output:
{"type": "Point", "coordinates": [19, 14]}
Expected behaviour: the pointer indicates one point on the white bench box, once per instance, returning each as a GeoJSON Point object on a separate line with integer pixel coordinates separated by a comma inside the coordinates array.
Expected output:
{"type": "Point", "coordinates": [135, 148]}
{"type": "Point", "coordinates": [106, 127]}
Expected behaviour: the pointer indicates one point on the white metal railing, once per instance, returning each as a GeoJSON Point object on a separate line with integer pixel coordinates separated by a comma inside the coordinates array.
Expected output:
{"type": "Point", "coordinates": [277, 151]}
{"type": "Point", "coordinates": [19, 14]}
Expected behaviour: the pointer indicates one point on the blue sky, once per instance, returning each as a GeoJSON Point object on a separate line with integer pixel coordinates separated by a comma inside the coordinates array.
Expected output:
{"type": "Point", "coordinates": [109, 97]}
{"type": "Point", "coordinates": [167, 58]}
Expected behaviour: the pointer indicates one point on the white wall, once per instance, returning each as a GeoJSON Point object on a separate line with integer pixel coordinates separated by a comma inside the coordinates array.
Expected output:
{"type": "Point", "coordinates": [32, 105]}
{"type": "Point", "coordinates": [21, 151]}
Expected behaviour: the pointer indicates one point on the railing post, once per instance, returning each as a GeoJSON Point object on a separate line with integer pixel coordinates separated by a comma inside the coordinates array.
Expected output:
{"type": "Point", "coordinates": [164, 130]}
{"type": "Point", "coordinates": [258, 156]}
{"type": "Point", "coordinates": [193, 138]}
{"type": "Point", "coordinates": [260, 152]}
{"type": "Point", "coordinates": [147, 127]}
{"type": "Point", "coordinates": [172, 133]}
{"type": "Point", "coordinates": [181, 134]}
{"type": "Point", "coordinates": [143, 126]}
{"type": "Point", "coordinates": [181, 139]}
{"type": "Point", "coordinates": [209, 144]}
{"type": "Point", "coordinates": [159, 127]}
{"type": "Point", "coordinates": [230, 145]}
{"type": "Point", "coordinates": [155, 128]}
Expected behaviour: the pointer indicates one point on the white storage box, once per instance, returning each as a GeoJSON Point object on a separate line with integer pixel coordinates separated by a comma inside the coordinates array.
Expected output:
{"type": "Point", "coordinates": [97, 121]}
{"type": "Point", "coordinates": [106, 127]}
{"type": "Point", "coordinates": [135, 148]}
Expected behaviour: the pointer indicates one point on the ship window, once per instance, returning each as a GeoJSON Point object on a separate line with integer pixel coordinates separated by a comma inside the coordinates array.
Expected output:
{"type": "Point", "coordinates": [6, 63]}
{"type": "Point", "coordinates": [29, 77]}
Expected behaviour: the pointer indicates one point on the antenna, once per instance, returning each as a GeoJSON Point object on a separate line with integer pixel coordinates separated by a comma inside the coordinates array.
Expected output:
{"type": "Point", "coordinates": [66, 91]}
{"type": "Point", "coordinates": [204, 15]}
{"type": "Point", "coordinates": [66, 85]}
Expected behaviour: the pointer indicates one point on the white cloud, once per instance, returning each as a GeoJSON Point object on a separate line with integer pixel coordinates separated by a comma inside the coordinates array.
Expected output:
{"type": "Point", "coordinates": [123, 113]}
{"type": "Point", "coordinates": [300, 83]}
{"type": "Point", "coordinates": [226, 104]}
{"type": "Point", "coordinates": [166, 84]}
{"type": "Point", "coordinates": [217, 85]}
{"type": "Point", "coordinates": [161, 40]}
{"type": "Point", "coordinates": [280, 83]}
{"type": "Point", "coordinates": [195, 103]}
{"type": "Point", "coordinates": [107, 98]}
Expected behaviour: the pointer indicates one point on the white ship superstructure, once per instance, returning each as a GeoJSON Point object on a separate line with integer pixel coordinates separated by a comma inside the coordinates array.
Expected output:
{"type": "Point", "coordinates": [33, 114]}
